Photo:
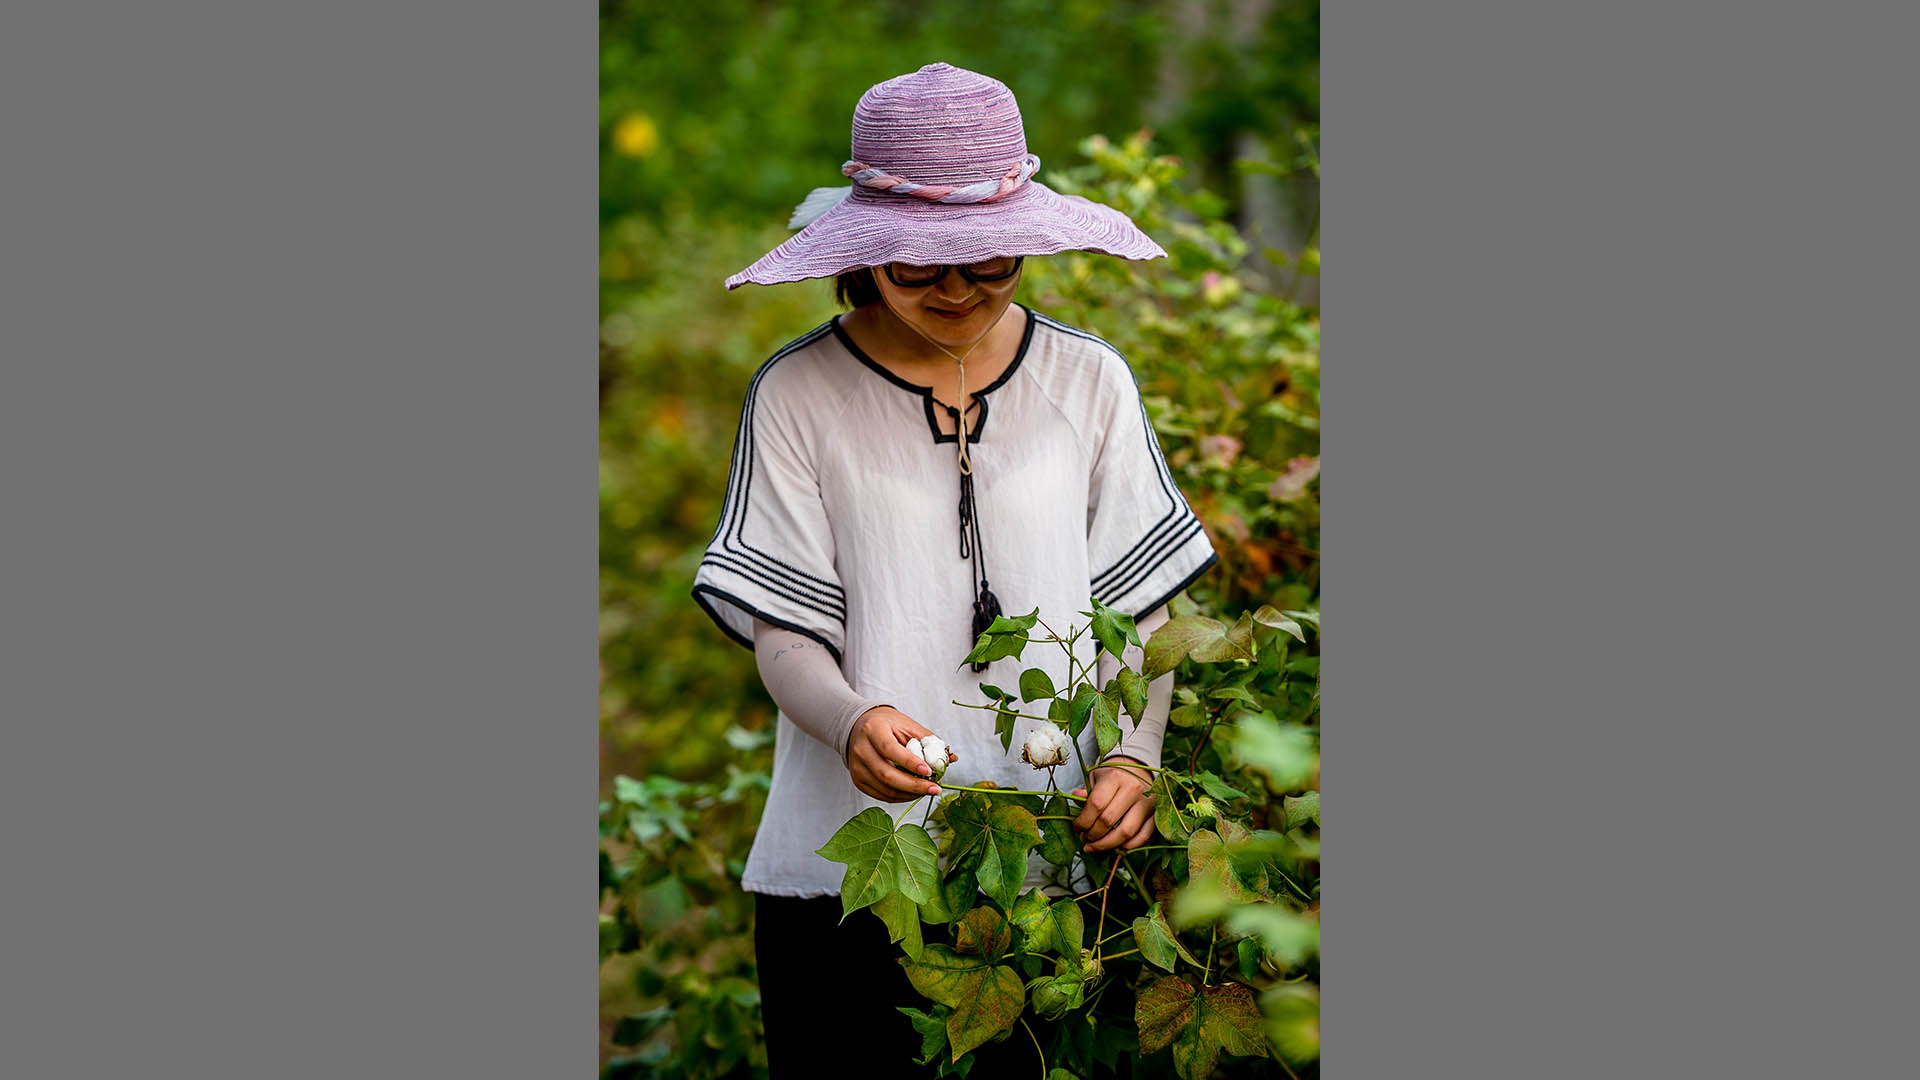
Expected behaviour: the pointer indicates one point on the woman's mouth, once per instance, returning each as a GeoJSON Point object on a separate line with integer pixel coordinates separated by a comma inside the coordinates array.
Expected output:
{"type": "Point", "coordinates": [948, 313]}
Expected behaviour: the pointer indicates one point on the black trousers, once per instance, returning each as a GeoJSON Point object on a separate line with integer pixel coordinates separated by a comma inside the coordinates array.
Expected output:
{"type": "Point", "coordinates": [828, 993]}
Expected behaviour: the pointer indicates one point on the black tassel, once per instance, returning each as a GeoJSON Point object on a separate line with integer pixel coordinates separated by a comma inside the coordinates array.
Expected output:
{"type": "Point", "coordinates": [986, 608]}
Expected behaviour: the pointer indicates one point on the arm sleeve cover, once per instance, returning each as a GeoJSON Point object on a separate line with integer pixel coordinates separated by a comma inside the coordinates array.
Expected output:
{"type": "Point", "coordinates": [1142, 743]}
{"type": "Point", "coordinates": [808, 685]}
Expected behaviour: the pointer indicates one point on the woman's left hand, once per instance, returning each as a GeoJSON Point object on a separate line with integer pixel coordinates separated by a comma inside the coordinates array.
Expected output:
{"type": "Point", "coordinates": [1119, 813]}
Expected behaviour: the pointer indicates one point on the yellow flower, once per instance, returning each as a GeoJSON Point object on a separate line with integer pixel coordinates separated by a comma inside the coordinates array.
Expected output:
{"type": "Point", "coordinates": [635, 135]}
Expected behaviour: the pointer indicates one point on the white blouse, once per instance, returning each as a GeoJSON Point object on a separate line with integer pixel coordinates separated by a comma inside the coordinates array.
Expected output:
{"type": "Point", "coordinates": [841, 523]}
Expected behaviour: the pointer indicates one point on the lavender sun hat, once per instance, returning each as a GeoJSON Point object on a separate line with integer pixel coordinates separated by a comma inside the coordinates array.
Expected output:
{"type": "Point", "coordinates": [940, 174]}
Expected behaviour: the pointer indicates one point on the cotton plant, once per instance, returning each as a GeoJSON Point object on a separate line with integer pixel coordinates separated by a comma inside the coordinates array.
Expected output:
{"type": "Point", "coordinates": [1200, 942]}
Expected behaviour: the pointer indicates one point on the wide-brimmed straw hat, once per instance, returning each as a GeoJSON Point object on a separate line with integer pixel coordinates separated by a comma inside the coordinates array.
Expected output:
{"type": "Point", "coordinates": [940, 174]}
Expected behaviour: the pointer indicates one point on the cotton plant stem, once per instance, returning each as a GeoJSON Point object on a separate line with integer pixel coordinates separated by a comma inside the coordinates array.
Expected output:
{"type": "Point", "coordinates": [1130, 765]}
{"type": "Point", "coordinates": [1118, 955]}
{"type": "Point", "coordinates": [1105, 890]}
{"type": "Point", "coordinates": [1036, 1048]}
{"type": "Point", "coordinates": [1193, 762]}
{"type": "Point", "coordinates": [903, 813]}
{"type": "Point", "coordinates": [1008, 791]}
{"type": "Point", "coordinates": [1021, 715]}
{"type": "Point", "coordinates": [1296, 888]}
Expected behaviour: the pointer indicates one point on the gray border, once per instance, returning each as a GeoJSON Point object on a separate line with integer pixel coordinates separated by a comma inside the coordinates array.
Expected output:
{"type": "Point", "coordinates": [299, 450]}
{"type": "Point", "coordinates": [297, 426]}
{"type": "Point", "coordinates": [1612, 429]}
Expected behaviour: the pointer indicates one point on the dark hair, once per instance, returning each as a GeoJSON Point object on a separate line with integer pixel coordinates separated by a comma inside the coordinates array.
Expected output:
{"type": "Point", "coordinates": [856, 288]}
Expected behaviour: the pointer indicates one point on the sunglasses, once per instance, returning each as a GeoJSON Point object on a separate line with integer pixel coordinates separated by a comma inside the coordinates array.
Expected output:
{"type": "Point", "coordinates": [909, 276]}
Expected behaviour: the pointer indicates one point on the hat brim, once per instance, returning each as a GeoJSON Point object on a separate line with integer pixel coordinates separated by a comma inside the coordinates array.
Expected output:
{"type": "Point", "coordinates": [872, 230]}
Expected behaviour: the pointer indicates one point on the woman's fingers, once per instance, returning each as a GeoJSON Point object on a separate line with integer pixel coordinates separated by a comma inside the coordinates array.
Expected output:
{"type": "Point", "coordinates": [1131, 831]}
{"type": "Point", "coordinates": [1093, 819]}
{"type": "Point", "coordinates": [881, 755]}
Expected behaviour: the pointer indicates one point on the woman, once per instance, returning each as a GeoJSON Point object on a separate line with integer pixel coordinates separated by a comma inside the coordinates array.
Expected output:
{"type": "Point", "coordinates": [902, 474]}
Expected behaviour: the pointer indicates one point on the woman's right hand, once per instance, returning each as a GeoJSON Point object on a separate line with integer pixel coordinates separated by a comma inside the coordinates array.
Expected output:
{"type": "Point", "coordinates": [877, 754]}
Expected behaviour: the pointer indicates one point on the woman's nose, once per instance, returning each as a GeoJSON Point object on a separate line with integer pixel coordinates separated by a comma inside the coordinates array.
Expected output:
{"type": "Point", "coordinates": [952, 286]}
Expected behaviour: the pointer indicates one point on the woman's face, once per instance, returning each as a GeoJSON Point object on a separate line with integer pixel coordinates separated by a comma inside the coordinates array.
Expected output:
{"type": "Point", "coordinates": [952, 311]}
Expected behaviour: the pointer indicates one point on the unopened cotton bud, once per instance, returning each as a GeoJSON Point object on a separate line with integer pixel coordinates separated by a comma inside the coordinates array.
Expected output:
{"type": "Point", "coordinates": [1045, 747]}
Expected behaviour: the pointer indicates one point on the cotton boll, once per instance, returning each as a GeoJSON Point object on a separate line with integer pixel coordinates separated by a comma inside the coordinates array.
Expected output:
{"type": "Point", "coordinates": [1046, 747]}
{"type": "Point", "coordinates": [933, 750]}
{"type": "Point", "coordinates": [914, 748]}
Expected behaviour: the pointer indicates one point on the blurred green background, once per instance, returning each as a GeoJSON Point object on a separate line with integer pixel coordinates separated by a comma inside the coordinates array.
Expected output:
{"type": "Point", "coordinates": [1200, 119]}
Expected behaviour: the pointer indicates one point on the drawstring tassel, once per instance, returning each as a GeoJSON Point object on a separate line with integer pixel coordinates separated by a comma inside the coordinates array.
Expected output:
{"type": "Point", "coordinates": [986, 608]}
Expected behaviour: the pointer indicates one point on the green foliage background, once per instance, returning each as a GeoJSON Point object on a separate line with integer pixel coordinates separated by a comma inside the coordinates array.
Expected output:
{"type": "Point", "coordinates": [716, 119]}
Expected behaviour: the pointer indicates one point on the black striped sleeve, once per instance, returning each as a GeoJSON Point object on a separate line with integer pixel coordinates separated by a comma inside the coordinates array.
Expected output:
{"type": "Point", "coordinates": [771, 556]}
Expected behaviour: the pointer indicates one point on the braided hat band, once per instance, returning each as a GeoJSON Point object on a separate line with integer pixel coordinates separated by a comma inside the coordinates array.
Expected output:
{"type": "Point", "coordinates": [880, 180]}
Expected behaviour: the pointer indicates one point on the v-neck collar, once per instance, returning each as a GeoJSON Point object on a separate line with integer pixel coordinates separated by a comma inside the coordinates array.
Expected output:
{"type": "Point", "coordinates": [926, 392]}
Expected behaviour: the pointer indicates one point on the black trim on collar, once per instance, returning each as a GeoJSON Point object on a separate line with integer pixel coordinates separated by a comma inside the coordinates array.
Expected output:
{"type": "Point", "coordinates": [926, 392]}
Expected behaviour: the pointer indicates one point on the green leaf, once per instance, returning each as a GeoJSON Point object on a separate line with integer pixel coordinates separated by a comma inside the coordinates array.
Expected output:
{"type": "Point", "coordinates": [1188, 716]}
{"type": "Point", "coordinates": [1219, 788]}
{"type": "Point", "coordinates": [1225, 1018]}
{"type": "Point", "coordinates": [1197, 636]}
{"type": "Point", "coordinates": [1268, 616]}
{"type": "Point", "coordinates": [1166, 816]}
{"type": "Point", "coordinates": [1290, 936]}
{"type": "Point", "coordinates": [1007, 636]}
{"type": "Point", "coordinates": [1311, 618]}
{"type": "Point", "coordinates": [1133, 693]}
{"type": "Point", "coordinates": [1235, 644]}
{"type": "Point", "coordinates": [1158, 943]}
{"type": "Point", "coordinates": [902, 917]}
{"type": "Point", "coordinates": [1058, 929]}
{"type": "Point", "coordinates": [1302, 810]}
{"type": "Point", "coordinates": [952, 899]}
{"type": "Point", "coordinates": [933, 1031]}
{"type": "Point", "coordinates": [993, 836]}
{"type": "Point", "coordinates": [1248, 953]}
{"type": "Point", "coordinates": [881, 859]}
{"type": "Point", "coordinates": [983, 931]}
{"type": "Point", "coordinates": [1080, 708]}
{"type": "Point", "coordinates": [1057, 844]}
{"type": "Point", "coordinates": [1003, 721]}
{"type": "Point", "coordinates": [985, 998]}
{"type": "Point", "coordinates": [1162, 1011]}
{"type": "Point", "coordinates": [1035, 684]}
{"type": "Point", "coordinates": [1284, 755]}
{"type": "Point", "coordinates": [1106, 729]}
{"type": "Point", "coordinates": [1028, 913]}
{"type": "Point", "coordinates": [1199, 1023]}
{"type": "Point", "coordinates": [1293, 1020]}
{"type": "Point", "coordinates": [1113, 630]}
{"type": "Point", "coordinates": [1236, 693]}
{"type": "Point", "coordinates": [628, 790]}
{"type": "Point", "coordinates": [1207, 859]}
{"type": "Point", "coordinates": [1057, 711]}
{"type": "Point", "coordinates": [993, 691]}
{"type": "Point", "coordinates": [1012, 624]}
